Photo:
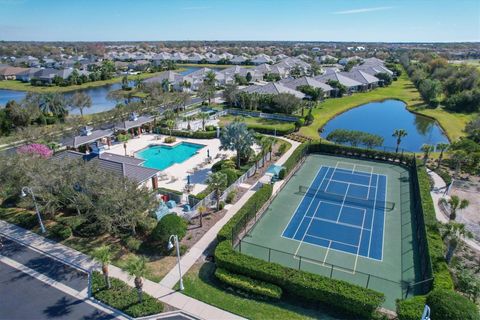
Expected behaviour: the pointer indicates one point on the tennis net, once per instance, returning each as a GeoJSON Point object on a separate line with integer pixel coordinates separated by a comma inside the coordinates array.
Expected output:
{"type": "Point", "coordinates": [363, 203]}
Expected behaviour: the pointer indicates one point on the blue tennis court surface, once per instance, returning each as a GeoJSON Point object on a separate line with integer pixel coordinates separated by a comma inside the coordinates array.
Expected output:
{"type": "Point", "coordinates": [344, 210]}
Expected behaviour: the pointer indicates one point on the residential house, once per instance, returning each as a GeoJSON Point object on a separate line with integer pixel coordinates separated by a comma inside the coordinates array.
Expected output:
{"type": "Point", "coordinates": [27, 74]}
{"type": "Point", "coordinates": [351, 84]}
{"type": "Point", "coordinates": [367, 80]}
{"type": "Point", "coordinates": [10, 73]}
{"type": "Point", "coordinates": [238, 60]}
{"type": "Point", "coordinates": [261, 59]}
{"type": "Point", "coordinates": [307, 81]}
{"type": "Point", "coordinates": [273, 88]}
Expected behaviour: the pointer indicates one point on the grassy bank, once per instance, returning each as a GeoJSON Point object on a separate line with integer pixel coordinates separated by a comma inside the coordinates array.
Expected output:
{"type": "Point", "coordinates": [26, 86]}
{"type": "Point", "coordinates": [402, 89]}
{"type": "Point", "coordinates": [252, 121]}
{"type": "Point", "coordinates": [201, 283]}
{"type": "Point", "coordinates": [209, 65]}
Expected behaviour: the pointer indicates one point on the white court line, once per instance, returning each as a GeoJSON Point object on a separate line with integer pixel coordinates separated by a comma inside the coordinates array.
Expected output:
{"type": "Point", "coordinates": [343, 202]}
{"type": "Point", "coordinates": [359, 244]}
{"type": "Point", "coordinates": [326, 254]}
{"type": "Point", "coordinates": [373, 220]}
{"type": "Point", "coordinates": [334, 169]}
{"type": "Point", "coordinates": [330, 240]}
{"type": "Point", "coordinates": [343, 223]}
{"type": "Point", "coordinates": [303, 198]}
{"type": "Point", "coordinates": [310, 204]}
{"type": "Point", "coordinates": [354, 183]}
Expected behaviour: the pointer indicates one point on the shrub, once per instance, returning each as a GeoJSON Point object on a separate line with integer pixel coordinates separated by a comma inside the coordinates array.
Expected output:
{"type": "Point", "coordinates": [124, 298]}
{"type": "Point", "coordinates": [411, 309]}
{"type": "Point", "coordinates": [231, 175]}
{"type": "Point", "coordinates": [248, 284]}
{"type": "Point", "coordinates": [210, 128]}
{"type": "Point", "coordinates": [282, 131]}
{"type": "Point", "coordinates": [230, 196]}
{"type": "Point", "coordinates": [188, 134]}
{"type": "Point", "coordinates": [221, 205]}
{"type": "Point", "coordinates": [448, 304]}
{"type": "Point", "coordinates": [223, 164]}
{"type": "Point", "coordinates": [72, 221]}
{"type": "Point", "coordinates": [282, 174]}
{"type": "Point", "coordinates": [27, 220]}
{"type": "Point", "coordinates": [168, 225]}
{"type": "Point", "coordinates": [295, 157]}
{"type": "Point", "coordinates": [132, 243]}
{"type": "Point", "coordinates": [146, 225]}
{"type": "Point", "coordinates": [169, 139]}
{"type": "Point", "coordinates": [282, 148]}
{"type": "Point", "coordinates": [61, 231]}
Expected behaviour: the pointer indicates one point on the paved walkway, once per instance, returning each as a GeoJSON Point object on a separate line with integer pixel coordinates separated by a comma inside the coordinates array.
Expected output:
{"type": "Point", "coordinates": [437, 193]}
{"type": "Point", "coordinates": [162, 290]}
{"type": "Point", "coordinates": [189, 259]}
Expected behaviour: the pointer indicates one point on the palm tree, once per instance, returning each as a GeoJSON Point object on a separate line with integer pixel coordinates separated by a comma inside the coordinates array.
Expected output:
{"type": "Point", "coordinates": [166, 85]}
{"type": "Point", "coordinates": [210, 78]}
{"type": "Point", "coordinates": [426, 149]}
{"type": "Point", "coordinates": [217, 182]}
{"type": "Point", "coordinates": [267, 144]}
{"type": "Point", "coordinates": [442, 147]}
{"type": "Point", "coordinates": [137, 267]}
{"type": "Point", "coordinates": [459, 158]}
{"type": "Point", "coordinates": [103, 255]}
{"type": "Point", "coordinates": [201, 212]}
{"type": "Point", "coordinates": [204, 116]}
{"type": "Point", "coordinates": [399, 134]}
{"type": "Point", "coordinates": [80, 101]}
{"type": "Point", "coordinates": [455, 203]}
{"type": "Point", "coordinates": [453, 233]}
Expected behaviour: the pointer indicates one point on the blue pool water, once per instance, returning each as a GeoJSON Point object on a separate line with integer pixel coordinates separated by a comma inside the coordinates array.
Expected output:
{"type": "Point", "coordinates": [162, 156]}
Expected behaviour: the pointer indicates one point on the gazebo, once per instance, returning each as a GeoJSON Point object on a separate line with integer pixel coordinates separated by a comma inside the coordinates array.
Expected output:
{"type": "Point", "coordinates": [133, 124]}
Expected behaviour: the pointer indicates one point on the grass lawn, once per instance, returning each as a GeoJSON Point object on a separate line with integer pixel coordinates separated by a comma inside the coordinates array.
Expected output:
{"type": "Point", "coordinates": [159, 266]}
{"type": "Point", "coordinates": [253, 121]}
{"type": "Point", "coordinates": [22, 86]}
{"type": "Point", "coordinates": [200, 283]}
{"type": "Point", "coordinates": [402, 89]}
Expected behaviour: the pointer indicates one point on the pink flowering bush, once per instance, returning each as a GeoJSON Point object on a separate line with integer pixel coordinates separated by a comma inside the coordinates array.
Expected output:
{"type": "Point", "coordinates": [36, 149]}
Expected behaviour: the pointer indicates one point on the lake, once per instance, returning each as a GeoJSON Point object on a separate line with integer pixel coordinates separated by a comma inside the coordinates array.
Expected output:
{"type": "Point", "coordinates": [100, 102]}
{"type": "Point", "coordinates": [383, 117]}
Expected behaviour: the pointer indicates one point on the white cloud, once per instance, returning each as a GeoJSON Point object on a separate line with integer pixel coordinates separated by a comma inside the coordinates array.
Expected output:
{"type": "Point", "coordinates": [363, 10]}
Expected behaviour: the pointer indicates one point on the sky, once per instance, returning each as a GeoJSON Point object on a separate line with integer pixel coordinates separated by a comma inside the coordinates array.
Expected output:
{"type": "Point", "coordinates": [291, 20]}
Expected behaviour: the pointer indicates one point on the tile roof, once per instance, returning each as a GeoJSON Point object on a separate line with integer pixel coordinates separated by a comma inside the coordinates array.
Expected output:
{"type": "Point", "coordinates": [81, 140]}
{"type": "Point", "coordinates": [336, 76]}
{"type": "Point", "coordinates": [129, 124]}
{"type": "Point", "coordinates": [306, 81]}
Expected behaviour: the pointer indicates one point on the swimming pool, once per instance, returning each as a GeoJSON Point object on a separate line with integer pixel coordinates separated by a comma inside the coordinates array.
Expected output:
{"type": "Point", "coordinates": [162, 156]}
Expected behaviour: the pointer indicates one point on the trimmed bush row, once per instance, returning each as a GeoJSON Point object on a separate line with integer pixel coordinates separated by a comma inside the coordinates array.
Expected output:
{"type": "Point", "coordinates": [411, 309]}
{"type": "Point", "coordinates": [248, 284]}
{"type": "Point", "coordinates": [442, 277]}
{"type": "Point", "coordinates": [447, 304]}
{"type": "Point", "coordinates": [188, 134]}
{"type": "Point", "coordinates": [312, 287]}
{"type": "Point", "coordinates": [250, 207]}
{"type": "Point", "coordinates": [124, 298]}
{"type": "Point", "coordinates": [308, 286]}
{"type": "Point", "coordinates": [271, 130]}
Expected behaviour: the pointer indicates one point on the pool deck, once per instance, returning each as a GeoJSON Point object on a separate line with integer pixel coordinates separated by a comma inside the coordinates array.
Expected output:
{"type": "Point", "coordinates": [175, 176]}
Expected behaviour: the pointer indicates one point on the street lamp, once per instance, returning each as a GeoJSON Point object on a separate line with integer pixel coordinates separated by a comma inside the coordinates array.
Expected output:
{"type": "Point", "coordinates": [170, 247]}
{"type": "Point", "coordinates": [25, 192]}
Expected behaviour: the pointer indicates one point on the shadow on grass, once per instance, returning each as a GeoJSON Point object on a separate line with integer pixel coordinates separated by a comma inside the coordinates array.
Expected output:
{"type": "Point", "coordinates": [292, 304]}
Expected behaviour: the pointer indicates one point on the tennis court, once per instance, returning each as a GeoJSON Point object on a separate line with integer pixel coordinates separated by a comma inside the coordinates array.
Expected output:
{"type": "Point", "coordinates": [342, 218]}
{"type": "Point", "coordinates": [343, 209]}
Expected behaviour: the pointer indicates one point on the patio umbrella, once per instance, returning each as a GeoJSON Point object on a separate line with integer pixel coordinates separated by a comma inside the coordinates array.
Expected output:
{"type": "Point", "coordinates": [208, 153]}
{"type": "Point", "coordinates": [188, 179]}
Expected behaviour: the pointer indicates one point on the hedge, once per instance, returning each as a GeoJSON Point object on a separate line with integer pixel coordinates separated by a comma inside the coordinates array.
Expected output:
{"type": "Point", "coordinates": [448, 304]}
{"type": "Point", "coordinates": [442, 276]}
{"type": "Point", "coordinates": [188, 134]}
{"type": "Point", "coordinates": [315, 288]}
{"type": "Point", "coordinates": [296, 155]}
{"type": "Point", "coordinates": [271, 130]}
{"type": "Point", "coordinates": [250, 207]}
{"type": "Point", "coordinates": [123, 297]}
{"type": "Point", "coordinates": [411, 309]}
{"type": "Point", "coordinates": [248, 284]}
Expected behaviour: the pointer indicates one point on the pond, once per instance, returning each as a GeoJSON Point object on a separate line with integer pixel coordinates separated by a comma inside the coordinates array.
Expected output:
{"type": "Point", "coordinates": [100, 103]}
{"type": "Point", "coordinates": [382, 118]}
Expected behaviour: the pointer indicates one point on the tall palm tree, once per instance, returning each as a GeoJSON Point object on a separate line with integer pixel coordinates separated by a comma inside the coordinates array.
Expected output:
{"type": "Point", "coordinates": [459, 158]}
{"type": "Point", "coordinates": [210, 78]}
{"type": "Point", "coordinates": [137, 267]}
{"type": "Point", "coordinates": [453, 233]}
{"type": "Point", "coordinates": [267, 144]}
{"type": "Point", "coordinates": [166, 85]}
{"type": "Point", "coordinates": [217, 182]}
{"type": "Point", "coordinates": [455, 203]}
{"type": "Point", "coordinates": [204, 116]}
{"type": "Point", "coordinates": [442, 147]}
{"type": "Point", "coordinates": [201, 211]}
{"type": "Point", "coordinates": [103, 255]}
{"type": "Point", "coordinates": [399, 134]}
{"type": "Point", "coordinates": [426, 149]}
{"type": "Point", "coordinates": [80, 101]}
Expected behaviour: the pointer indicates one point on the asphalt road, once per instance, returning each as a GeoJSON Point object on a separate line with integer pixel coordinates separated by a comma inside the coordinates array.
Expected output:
{"type": "Point", "coordinates": [23, 297]}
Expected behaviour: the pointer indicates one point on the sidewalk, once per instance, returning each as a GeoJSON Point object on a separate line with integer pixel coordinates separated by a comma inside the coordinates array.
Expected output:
{"type": "Point", "coordinates": [166, 295]}
{"type": "Point", "coordinates": [189, 259]}
{"type": "Point", "coordinates": [437, 193]}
